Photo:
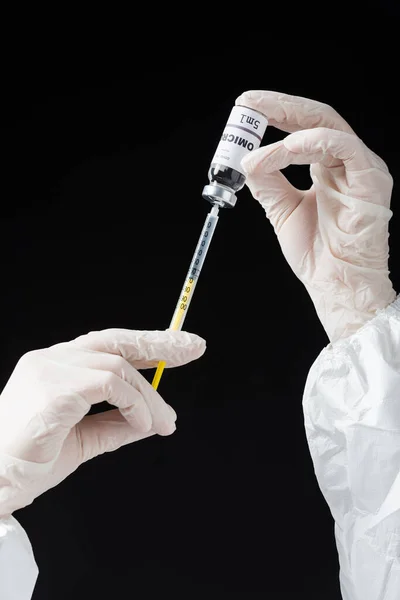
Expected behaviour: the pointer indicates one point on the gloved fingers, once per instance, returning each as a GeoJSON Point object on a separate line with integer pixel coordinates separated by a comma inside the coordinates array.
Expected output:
{"type": "Point", "coordinates": [276, 194]}
{"type": "Point", "coordinates": [366, 172]}
{"type": "Point", "coordinates": [143, 349]}
{"type": "Point", "coordinates": [326, 146]}
{"type": "Point", "coordinates": [138, 402]}
{"type": "Point", "coordinates": [92, 436]}
{"type": "Point", "coordinates": [105, 432]}
{"type": "Point", "coordinates": [293, 113]}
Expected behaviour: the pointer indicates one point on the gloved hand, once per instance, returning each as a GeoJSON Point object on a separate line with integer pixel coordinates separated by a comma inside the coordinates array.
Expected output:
{"type": "Point", "coordinates": [334, 235]}
{"type": "Point", "coordinates": [44, 433]}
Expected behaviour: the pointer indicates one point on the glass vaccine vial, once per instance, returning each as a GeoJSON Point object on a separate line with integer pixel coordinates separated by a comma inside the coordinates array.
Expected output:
{"type": "Point", "coordinates": [243, 133]}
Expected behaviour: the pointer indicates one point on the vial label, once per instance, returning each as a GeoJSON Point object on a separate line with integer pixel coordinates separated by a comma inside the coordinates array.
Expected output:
{"type": "Point", "coordinates": [242, 134]}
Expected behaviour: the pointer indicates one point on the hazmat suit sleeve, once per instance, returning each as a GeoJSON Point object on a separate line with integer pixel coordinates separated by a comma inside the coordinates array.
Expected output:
{"type": "Point", "coordinates": [18, 570]}
{"type": "Point", "coordinates": [352, 420]}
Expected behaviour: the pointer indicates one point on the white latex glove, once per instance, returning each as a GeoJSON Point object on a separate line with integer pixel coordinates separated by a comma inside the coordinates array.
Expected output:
{"type": "Point", "coordinates": [334, 235]}
{"type": "Point", "coordinates": [44, 433]}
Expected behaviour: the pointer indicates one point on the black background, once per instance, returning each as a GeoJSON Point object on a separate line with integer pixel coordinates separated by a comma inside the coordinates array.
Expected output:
{"type": "Point", "coordinates": [101, 211]}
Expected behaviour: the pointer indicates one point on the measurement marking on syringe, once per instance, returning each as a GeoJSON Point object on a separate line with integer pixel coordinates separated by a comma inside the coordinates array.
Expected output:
{"type": "Point", "coordinates": [187, 291]}
{"type": "Point", "coordinates": [193, 273]}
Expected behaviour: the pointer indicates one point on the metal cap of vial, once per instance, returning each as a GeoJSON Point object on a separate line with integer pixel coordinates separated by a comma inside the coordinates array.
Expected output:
{"type": "Point", "coordinates": [217, 194]}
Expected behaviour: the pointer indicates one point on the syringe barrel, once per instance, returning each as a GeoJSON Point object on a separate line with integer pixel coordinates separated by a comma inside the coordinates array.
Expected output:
{"type": "Point", "coordinates": [194, 270]}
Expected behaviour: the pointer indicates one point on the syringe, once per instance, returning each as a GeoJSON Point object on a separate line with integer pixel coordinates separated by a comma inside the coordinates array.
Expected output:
{"type": "Point", "coordinates": [187, 292]}
{"type": "Point", "coordinates": [242, 134]}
